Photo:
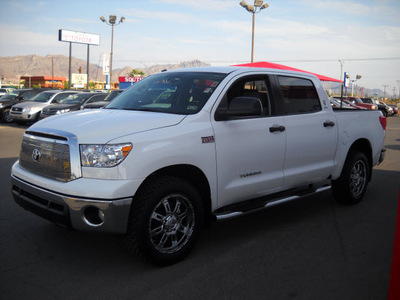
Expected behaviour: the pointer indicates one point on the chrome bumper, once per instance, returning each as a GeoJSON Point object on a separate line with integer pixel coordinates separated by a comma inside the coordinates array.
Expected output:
{"type": "Point", "coordinates": [83, 214]}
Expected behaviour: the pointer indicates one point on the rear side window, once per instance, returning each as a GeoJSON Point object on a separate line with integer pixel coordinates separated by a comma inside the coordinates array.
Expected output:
{"type": "Point", "coordinates": [299, 95]}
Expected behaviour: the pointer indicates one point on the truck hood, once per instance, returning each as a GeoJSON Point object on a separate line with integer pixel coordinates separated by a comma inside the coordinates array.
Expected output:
{"type": "Point", "coordinates": [104, 125]}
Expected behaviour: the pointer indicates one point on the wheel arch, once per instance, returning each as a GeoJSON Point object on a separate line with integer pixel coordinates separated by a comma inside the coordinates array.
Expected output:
{"type": "Point", "coordinates": [191, 174]}
{"type": "Point", "coordinates": [364, 146]}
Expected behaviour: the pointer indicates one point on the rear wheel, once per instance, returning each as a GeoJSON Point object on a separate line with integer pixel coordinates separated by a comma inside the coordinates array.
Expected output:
{"type": "Point", "coordinates": [165, 221]}
{"type": "Point", "coordinates": [352, 184]}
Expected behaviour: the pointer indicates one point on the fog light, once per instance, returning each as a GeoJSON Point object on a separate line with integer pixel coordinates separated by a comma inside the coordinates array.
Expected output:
{"type": "Point", "coordinates": [93, 216]}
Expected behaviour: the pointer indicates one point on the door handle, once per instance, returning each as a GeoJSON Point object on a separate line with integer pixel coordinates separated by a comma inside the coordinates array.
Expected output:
{"type": "Point", "coordinates": [329, 124]}
{"type": "Point", "coordinates": [277, 128]}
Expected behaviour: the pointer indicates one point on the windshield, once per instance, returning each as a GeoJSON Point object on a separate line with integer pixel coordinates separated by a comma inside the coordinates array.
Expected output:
{"type": "Point", "coordinates": [175, 93]}
{"type": "Point", "coordinates": [112, 95]}
{"type": "Point", "coordinates": [75, 99]}
{"type": "Point", "coordinates": [9, 96]}
{"type": "Point", "coordinates": [43, 97]}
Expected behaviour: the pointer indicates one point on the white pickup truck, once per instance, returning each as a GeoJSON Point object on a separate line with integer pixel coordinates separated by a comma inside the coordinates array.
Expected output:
{"type": "Point", "coordinates": [183, 147]}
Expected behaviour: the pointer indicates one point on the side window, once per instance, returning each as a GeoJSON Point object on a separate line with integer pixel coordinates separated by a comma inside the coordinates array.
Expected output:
{"type": "Point", "coordinates": [299, 95]}
{"type": "Point", "coordinates": [256, 87]}
{"type": "Point", "coordinates": [60, 97]}
{"type": "Point", "coordinates": [28, 95]}
{"type": "Point", "coordinates": [96, 98]}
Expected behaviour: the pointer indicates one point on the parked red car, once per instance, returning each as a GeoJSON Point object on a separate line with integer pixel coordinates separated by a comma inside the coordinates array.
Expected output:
{"type": "Point", "coordinates": [357, 101]}
{"type": "Point", "coordinates": [395, 109]}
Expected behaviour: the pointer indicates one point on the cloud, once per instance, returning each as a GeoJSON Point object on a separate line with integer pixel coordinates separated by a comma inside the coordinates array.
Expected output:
{"type": "Point", "coordinates": [219, 5]}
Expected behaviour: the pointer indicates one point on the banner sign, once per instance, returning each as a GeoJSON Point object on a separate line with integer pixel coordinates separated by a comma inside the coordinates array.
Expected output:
{"type": "Point", "coordinates": [106, 63]}
{"type": "Point", "coordinates": [78, 37]}
{"type": "Point", "coordinates": [130, 79]}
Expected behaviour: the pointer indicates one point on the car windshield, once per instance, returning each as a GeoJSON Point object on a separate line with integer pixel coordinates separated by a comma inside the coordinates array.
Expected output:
{"type": "Point", "coordinates": [43, 97]}
{"type": "Point", "coordinates": [9, 96]}
{"type": "Point", "coordinates": [75, 99]}
{"type": "Point", "coordinates": [112, 95]}
{"type": "Point", "coordinates": [175, 93]}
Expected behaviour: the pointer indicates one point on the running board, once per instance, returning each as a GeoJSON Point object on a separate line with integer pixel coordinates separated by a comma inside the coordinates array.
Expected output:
{"type": "Point", "coordinates": [269, 203]}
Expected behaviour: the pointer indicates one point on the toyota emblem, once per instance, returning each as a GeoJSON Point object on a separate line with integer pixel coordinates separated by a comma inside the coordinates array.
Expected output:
{"type": "Point", "coordinates": [36, 155]}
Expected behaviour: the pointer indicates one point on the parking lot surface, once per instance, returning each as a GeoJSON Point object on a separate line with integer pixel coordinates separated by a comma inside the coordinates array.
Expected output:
{"type": "Point", "coordinates": [312, 248]}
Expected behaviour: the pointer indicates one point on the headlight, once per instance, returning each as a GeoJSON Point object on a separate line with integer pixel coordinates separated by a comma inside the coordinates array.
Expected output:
{"type": "Point", "coordinates": [104, 156]}
{"type": "Point", "coordinates": [62, 111]}
{"type": "Point", "coordinates": [373, 107]}
{"type": "Point", "coordinates": [28, 109]}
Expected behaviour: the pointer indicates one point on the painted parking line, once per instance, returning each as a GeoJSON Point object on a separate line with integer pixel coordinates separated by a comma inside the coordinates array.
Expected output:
{"type": "Point", "coordinates": [394, 285]}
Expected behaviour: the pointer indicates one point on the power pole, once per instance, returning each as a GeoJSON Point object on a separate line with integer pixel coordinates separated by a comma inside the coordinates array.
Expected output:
{"type": "Point", "coordinates": [52, 72]}
{"type": "Point", "coordinates": [384, 91]}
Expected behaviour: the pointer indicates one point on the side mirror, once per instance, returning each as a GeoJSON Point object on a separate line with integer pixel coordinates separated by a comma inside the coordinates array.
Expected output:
{"type": "Point", "coordinates": [240, 107]}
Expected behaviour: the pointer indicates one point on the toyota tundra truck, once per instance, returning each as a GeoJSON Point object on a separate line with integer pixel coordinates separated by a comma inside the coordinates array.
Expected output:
{"type": "Point", "coordinates": [183, 147]}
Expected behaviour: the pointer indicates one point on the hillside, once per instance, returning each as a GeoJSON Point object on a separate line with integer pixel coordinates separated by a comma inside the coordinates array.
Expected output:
{"type": "Point", "coordinates": [11, 68]}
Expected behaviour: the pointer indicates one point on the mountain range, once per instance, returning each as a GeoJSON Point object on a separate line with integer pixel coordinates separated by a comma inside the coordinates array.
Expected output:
{"type": "Point", "coordinates": [12, 68]}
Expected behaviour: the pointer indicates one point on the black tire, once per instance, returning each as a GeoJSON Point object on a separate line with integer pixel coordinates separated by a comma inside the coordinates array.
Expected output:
{"type": "Point", "coordinates": [5, 117]}
{"type": "Point", "coordinates": [165, 220]}
{"type": "Point", "coordinates": [352, 184]}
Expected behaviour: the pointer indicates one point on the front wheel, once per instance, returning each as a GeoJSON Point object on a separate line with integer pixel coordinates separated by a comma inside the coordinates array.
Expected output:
{"type": "Point", "coordinates": [352, 184]}
{"type": "Point", "coordinates": [165, 221]}
{"type": "Point", "coordinates": [6, 118]}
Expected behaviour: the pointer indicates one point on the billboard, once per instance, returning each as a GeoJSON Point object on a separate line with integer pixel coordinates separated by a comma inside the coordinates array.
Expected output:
{"type": "Point", "coordinates": [78, 37]}
{"type": "Point", "coordinates": [79, 80]}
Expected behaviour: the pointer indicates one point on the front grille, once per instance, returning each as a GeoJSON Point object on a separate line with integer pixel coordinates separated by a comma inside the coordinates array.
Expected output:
{"type": "Point", "coordinates": [19, 109]}
{"type": "Point", "coordinates": [46, 157]}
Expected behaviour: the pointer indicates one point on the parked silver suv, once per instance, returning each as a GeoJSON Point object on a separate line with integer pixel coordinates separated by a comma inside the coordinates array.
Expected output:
{"type": "Point", "coordinates": [30, 111]}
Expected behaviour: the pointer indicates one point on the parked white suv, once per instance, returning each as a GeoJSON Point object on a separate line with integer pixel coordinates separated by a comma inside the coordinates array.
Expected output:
{"type": "Point", "coordinates": [30, 111]}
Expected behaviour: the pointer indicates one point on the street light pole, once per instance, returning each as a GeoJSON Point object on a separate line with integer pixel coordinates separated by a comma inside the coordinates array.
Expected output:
{"type": "Point", "coordinates": [256, 8]}
{"type": "Point", "coordinates": [112, 21]}
{"type": "Point", "coordinates": [352, 83]}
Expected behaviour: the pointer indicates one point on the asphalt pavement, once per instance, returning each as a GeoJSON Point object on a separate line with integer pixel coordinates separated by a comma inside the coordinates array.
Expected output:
{"type": "Point", "coordinates": [312, 248]}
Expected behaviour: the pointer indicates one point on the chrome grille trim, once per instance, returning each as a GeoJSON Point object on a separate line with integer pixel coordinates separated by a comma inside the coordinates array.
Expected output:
{"type": "Point", "coordinates": [61, 158]}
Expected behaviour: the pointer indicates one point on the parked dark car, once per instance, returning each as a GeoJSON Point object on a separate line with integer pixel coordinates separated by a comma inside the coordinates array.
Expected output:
{"type": "Point", "coordinates": [103, 103]}
{"type": "Point", "coordinates": [336, 103]}
{"type": "Point", "coordinates": [71, 103]}
{"type": "Point", "coordinates": [385, 111]}
{"type": "Point", "coordinates": [12, 98]}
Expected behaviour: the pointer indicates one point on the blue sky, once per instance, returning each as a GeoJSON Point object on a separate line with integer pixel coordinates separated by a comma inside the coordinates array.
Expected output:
{"type": "Point", "coordinates": [308, 34]}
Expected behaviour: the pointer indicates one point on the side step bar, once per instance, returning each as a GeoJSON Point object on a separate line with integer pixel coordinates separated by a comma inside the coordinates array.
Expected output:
{"type": "Point", "coordinates": [269, 203]}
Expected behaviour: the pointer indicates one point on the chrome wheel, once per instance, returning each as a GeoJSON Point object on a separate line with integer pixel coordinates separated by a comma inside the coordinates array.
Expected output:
{"type": "Point", "coordinates": [352, 184]}
{"type": "Point", "coordinates": [171, 223]}
{"type": "Point", "coordinates": [358, 178]}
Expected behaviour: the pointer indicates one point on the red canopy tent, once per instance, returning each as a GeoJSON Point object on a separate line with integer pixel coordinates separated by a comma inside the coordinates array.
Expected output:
{"type": "Point", "coordinates": [264, 64]}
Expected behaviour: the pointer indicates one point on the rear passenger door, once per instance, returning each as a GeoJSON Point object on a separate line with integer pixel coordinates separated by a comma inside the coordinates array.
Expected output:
{"type": "Point", "coordinates": [310, 132]}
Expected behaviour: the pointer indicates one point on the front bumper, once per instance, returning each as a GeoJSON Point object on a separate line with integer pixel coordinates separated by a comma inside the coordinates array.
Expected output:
{"type": "Point", "coordinates": [84, 214]}
{"type": "Point", "coordinates": [25, 116]}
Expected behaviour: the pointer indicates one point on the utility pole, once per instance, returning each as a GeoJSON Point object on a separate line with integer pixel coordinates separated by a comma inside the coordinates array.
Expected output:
{"type": "Point", "coordinates": [52, 72]}
{"type": "Point", "coordinates": [384, 91]}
